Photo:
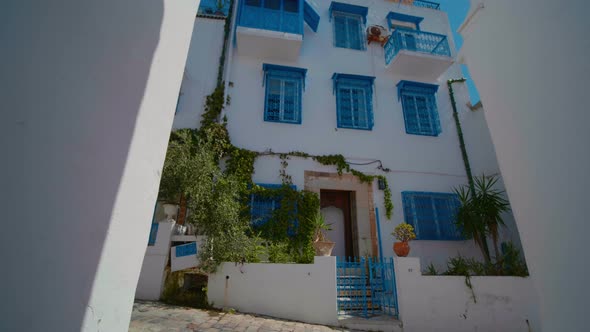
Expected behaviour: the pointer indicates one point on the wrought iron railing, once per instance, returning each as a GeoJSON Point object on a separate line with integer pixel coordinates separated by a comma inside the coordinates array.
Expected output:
{"type": "Point", "coordinates": [426, 4]}
{"type": "Point", "coordinates": [366, 287]}
{"type": "Point", "coordinates": [218, 8]}
{"type": "Point", "coordinates": [416, 41]}
{"type": "Point", "coordinates": [271, 19]}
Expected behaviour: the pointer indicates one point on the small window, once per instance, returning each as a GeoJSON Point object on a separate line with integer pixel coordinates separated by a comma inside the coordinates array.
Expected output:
{"type": "Point", "coordinates": [263, 206]}
{"type": "Point", "coordinates": [354, 101]}
{"type": "Point", "coordinates": [348, 31]}
{"type": "Point", "coordinates": [349, 25]}
{"type": "Point", "coordinates": [284, 86]}
{"type": "Point", "coordinates": [419, 107]}
{"type": "Point", "coordinates": [432, 215]}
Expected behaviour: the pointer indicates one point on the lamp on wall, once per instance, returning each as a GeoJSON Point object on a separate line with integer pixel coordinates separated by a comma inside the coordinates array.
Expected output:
{"type": "Point", "coordinates": [381, 184]}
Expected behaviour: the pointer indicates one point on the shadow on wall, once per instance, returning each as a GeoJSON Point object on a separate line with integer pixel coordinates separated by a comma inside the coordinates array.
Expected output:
{"type": "Point", "coordinates": [74, 85]}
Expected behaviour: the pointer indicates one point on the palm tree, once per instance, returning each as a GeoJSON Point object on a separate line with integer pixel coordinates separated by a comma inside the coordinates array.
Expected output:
{"type": "Point", "coordinates": [480, 213]}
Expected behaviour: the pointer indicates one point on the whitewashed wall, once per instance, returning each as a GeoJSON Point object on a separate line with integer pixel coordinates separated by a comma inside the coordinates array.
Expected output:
{"type": "Point", "coordinates": [151, 277]}
{"type": "Point", "coordinates": [482, 157]}
{"type": "Point", "coordinates": [87, 99]}
{"type": "Point", "coordinates": [200, 73]}
{"type": "Point", "coordinates": [533, 84]}
{"type": "Point", "coordinates": [445, 303]}
{"type": "Point", "coordinates": [302, 292]}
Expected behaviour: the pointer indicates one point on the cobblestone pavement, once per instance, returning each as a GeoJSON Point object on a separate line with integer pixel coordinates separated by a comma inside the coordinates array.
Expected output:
{"type": "Point", "coordinates": [159, 317]}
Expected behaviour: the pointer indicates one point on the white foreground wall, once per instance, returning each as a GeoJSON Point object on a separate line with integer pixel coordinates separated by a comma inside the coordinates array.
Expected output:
{"type": "Point", "coordinates": [87, 99]}
{"type": "Point", "coordinates": [445, 303]}
{"type": "Point", "coordinates": [532, 78]}
{"type": "Point", "coordinates": [151, 277]}
{"type": "Point", "coordinates": [302, 292]}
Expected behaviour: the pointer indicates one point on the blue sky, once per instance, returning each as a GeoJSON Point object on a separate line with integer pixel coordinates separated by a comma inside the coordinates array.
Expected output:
{"type": "Point", "coordinates": [457, 10]}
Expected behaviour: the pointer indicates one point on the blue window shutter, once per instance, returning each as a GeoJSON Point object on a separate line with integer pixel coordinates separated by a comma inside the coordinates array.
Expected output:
{"type": "Point", "coordinates": [283, 93]}
{"type": "Point", "coordinates": [262, 207]}
{"type": "Point", "coordinates": [419, 107]}
{"type": "Point", "coordinates": [433, 215]}
{"type": "Point", "coordinates": [354, 101]}
{"type": "Point", "coordinates": [340, 31]}
{"type": "Point", "coordinates": [311, 17]}
{"type": "Point", "coordinates": [355, 33]}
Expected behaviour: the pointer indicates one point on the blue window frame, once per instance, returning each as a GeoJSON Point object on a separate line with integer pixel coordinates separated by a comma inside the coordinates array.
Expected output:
{"type": "Point", "coordinates": [432, 214]}
{"type": "Point", "coordinates": [349, 25]}
{"type": "Point", "coordinates": [354, 101]}
{"type": "Point", "coordinates": [419, 106]}
{"type": "Point", "coordinates": [153, 234]}
{"type": "Point", "coordinates": [284, 87]}
{"type": "Point", "coordinates": [262, 206]}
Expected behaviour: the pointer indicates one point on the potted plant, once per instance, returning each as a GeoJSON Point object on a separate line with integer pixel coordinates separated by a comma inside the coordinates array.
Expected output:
{"type": "Point", "coordinates": [403, 233]}
{"type": "Point", "coordinates": [322, 245]}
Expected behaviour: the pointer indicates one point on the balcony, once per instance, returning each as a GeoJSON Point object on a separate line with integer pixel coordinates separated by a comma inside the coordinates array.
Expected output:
{"type": "Point", "coordinates": [271, 28]}
{"type": "Point", "coordinates": [420, 3]}
{"type": "Point", "coordinates": [419, 54]}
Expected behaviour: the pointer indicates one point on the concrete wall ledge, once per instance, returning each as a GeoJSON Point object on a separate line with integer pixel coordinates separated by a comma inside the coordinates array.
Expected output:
{"type": "Point", "coordinates": [301, 292]}
{"type": "Point", "coordinates": [445, 303]}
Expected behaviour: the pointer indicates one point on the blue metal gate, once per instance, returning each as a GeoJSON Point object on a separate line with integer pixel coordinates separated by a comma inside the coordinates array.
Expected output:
{"type": "Point", "coordinates": [366, 286]}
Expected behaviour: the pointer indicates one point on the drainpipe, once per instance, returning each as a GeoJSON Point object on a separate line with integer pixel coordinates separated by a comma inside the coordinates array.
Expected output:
{"type": "Point", "coordinates": [463, 149]}
{"type": "Point", "coordinates": [460, 131]}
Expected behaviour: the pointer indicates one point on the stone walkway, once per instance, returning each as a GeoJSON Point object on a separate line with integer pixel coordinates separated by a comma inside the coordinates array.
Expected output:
{"type": "Point", "coordinates": [159, 317]}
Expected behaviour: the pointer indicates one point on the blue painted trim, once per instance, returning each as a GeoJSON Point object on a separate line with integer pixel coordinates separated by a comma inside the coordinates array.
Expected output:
{"type": "Point", "coordinates": [153, 234]}
{"type": "Point", "coordinates": [405, 18]}
{"type": "Point", "coordinates": [186, 249]}
{"type": "Point", "coordinates": [379, 232]}
{"type": "Point", "coordinates": [310, 16]}
{"type": "Point", "coordinates": [348, 8]}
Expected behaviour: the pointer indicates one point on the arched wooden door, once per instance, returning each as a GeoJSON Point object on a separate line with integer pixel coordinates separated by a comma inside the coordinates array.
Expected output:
{"type": "Point", "coordinates": [336, 208]}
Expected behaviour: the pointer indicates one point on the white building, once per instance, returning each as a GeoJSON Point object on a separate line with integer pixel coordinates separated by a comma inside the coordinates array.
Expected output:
{"type": "Point", "coordinates": [284, 81]}
{"type": "Point", "coordinates": [302, 76]}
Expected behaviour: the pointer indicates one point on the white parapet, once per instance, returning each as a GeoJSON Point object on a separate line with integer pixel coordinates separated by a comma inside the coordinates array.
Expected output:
{"type": "Point", "coordinates": [446, 303]}
{"type": "Point", "coordinates": [302, 292]}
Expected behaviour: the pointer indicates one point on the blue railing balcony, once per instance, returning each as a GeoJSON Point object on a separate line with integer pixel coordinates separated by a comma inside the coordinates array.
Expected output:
{"type": "Point", "coordinates": [214, 8]}
{"type": "Point", "coordinates": [426, 4]}
{"type": "Point", "coordinates": [420, 3]}
{"type": "Point", "coordinates": [274, 15]}
{"type": "Point", "coordinates": [417, 53]}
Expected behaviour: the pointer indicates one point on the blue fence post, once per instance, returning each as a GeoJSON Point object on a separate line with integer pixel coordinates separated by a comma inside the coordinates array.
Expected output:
{"type": "Point", "coordinates": [379, 232]}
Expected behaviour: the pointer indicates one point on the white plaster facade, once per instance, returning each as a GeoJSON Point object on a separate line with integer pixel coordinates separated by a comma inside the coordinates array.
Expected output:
{"type": "Point", "coordinates": [446, 304]}
{"type": "Point", "coordinates": [529, 61]}
{"type": "Point", "coordinates": [88, 95]}
{"type": "Point", "coordinates": [418, 163]}
{"type": "Point", "coordinates": [302, 292]}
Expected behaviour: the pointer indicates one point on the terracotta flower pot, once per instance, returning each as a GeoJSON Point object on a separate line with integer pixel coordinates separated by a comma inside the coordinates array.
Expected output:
{"type": "Point", "coordinates": [323, 248]}
{"type": "Point", "coordinates": [402, 249]}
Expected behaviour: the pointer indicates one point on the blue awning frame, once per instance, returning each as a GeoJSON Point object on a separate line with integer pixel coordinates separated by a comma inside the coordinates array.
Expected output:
{"type": "Point", "coordinates": [268, 68]}
{"type": "Point", "coordinates": [348, 8]}
{"type": "Point", "coordinates": [337, 77]}
{"type": "Point", "coordinates": [404, 18]}
{"type": "Point", "coordinates": [404, 85]}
